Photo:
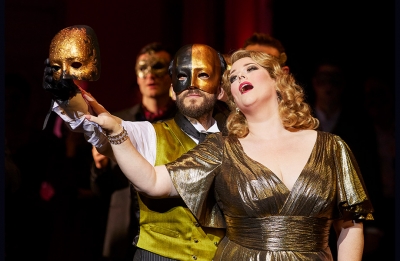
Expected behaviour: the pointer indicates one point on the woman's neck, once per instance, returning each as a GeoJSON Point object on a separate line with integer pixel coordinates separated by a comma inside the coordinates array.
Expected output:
{"type": "Point", "coordinates": [268, 128]}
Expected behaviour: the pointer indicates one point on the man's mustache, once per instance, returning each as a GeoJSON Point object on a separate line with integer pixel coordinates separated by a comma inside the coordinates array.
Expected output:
{"type": "Point", "coordinates": [194, 91]}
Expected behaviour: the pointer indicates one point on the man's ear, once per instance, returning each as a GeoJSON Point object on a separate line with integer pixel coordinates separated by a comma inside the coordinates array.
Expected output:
{"type": "Point", "coordinates": [172, 94]}
{"type": "Point", "coordinates": [222, 95]}
{"type": "Point", "coordinates": [137, 81]}
{"type": "Point", "coordinates": [285, 69]}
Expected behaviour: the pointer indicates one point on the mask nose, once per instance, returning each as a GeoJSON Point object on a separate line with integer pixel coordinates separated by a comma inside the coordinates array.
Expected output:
{"type": "Point", "coordinates": [194, 84]}
{"type": "Point", "coordinates": [66, 72]}
{"type": "Point", "coordinates": [66, 75]}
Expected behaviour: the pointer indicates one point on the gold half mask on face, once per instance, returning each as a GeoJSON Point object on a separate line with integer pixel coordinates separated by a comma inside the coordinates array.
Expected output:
{"type": "Point", "coordinates": [151, 64]}
{"type": "Point", "coordinates": [75, 54]}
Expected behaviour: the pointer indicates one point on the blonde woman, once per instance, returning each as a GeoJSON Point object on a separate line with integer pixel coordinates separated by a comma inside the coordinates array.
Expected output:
{"type": "Point", "coordinates": [274, 182]}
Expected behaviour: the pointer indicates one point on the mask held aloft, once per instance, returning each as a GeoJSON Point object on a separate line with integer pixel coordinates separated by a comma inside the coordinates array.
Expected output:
{"type": "Point", "coordinates": [74, 59]}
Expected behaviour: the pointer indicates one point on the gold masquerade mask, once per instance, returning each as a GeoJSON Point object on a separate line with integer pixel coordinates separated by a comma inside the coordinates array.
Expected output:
{"type": "Point", "coordinates": [75, 54]}
{"type": "Point", "coordinates": [151, 64]}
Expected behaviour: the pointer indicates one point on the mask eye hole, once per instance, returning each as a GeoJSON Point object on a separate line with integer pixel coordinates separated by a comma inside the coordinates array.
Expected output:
{"type": "Point", "coordinates": [76, 65]}
{"type": "Point", "coordinates": [181, 77]}
{"type": "Point", "coordinates": [158, 66]}
{"type": "Point", "coordinates": [204, 75]}
{"type": "Point", "coordinates": [56, 68]}
{"type": "Point", "coordinates": [142, 68]}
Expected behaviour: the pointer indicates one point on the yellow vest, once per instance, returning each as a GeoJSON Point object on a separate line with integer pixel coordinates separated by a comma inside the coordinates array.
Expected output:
{"type": "Point", "coordinates": [167, 227]}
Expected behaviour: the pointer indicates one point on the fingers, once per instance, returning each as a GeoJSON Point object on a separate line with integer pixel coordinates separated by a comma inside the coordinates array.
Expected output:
{"type": "Point", "coordinates": [100, 160]}
{"type": "Point", "coordinates": [92, 118]}
{"type": "Point", "coordinates": [99, 120]}
{"type": "Point", "coordinates": [96, 107]}
{"type": "Point", "coordinates": [106, 121]}
{"type": "Point", "coordinates": [82, 90]}
{"type": "Point", "coordinates": [102, 163]}
{"type": "Point", "coordinates": [88, 96]}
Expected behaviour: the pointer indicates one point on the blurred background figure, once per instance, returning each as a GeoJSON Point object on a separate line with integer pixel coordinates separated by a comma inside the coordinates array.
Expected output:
{"type": "Point", "coordinates": [66, 196]}
{"type": "Point", "coordinates": [347, 118]}
{"type": "Point", "coordinates": [17, 97]}
{"type": "Point", "coordinates": [13, 206]}
{"type": "Point", "coordinates": [266, 43]}
{"type": "Point", "coordinates": [379, 103]}
{"type": "Point", "coordinates": [24, 173]}
{"type": "Point", "coordinates": [107, 180]}
{"type": "Point", "coordinates": [48, 194]}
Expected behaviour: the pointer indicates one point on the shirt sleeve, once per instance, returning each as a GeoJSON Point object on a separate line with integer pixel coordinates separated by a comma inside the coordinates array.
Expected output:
{"type": "Point", "coordinates": [143, 137]}
{"type": "Point", "coordinates": [75, 120]}
{"type": "Point", "coordinates": [193, 175]}
{"type": "Point", "coordinates": [141, 133]}
{"type": "Point", "coordinates": [353, 200]}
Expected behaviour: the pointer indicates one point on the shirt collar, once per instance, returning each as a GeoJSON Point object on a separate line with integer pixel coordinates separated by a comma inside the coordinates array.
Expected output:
{"type": "Point", "coordinates": [200, 128]}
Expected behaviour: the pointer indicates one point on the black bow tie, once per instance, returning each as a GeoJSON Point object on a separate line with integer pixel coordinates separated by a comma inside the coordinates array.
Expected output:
{"type": "Point", "coordinates": [187, 127]}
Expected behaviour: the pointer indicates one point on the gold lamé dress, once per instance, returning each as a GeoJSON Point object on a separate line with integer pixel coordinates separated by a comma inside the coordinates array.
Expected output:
{"type": "Point", "coordinates": [223, 187]}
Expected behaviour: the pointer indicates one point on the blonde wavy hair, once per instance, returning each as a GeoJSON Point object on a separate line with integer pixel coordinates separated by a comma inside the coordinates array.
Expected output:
{"type": "Point", "coordinates": [294, 111]}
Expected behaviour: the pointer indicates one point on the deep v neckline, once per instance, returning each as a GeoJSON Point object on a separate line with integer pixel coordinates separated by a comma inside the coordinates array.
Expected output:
{"type": "Point", "coordinates": [276, 176]}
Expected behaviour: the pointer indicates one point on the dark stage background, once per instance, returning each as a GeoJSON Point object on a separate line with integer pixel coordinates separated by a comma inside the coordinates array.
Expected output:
{"type": "Point", "coordinates": [362, 35]}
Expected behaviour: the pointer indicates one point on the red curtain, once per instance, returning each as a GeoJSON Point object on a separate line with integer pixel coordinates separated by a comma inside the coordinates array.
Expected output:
{"type": "Point", "coordinates": [243, 18]}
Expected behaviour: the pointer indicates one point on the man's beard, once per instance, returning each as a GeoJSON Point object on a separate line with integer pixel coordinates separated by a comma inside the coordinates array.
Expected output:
{"type": "Point", "coordinates": [196, 111]}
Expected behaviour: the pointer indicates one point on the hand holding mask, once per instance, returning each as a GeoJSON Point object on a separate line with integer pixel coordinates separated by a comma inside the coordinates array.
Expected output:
{"type": "Point", "coordinates": [74, 57]}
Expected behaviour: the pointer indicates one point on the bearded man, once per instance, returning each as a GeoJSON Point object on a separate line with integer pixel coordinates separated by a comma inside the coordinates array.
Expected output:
{"type": "Point", "coordinates": [168, 230]}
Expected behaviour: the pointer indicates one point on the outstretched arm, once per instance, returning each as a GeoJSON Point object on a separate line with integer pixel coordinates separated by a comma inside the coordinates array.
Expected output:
{"type": "Point", "coordinates": [153, 181]}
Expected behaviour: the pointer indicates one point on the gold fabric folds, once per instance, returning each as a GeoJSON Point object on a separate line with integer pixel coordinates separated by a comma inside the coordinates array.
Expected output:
{"type": "Point", "coordinates": [168, 220]}
{"type": "Point", "coordinates": [218, 177]}
{"type": "Point", "coordinates": [280, 233]}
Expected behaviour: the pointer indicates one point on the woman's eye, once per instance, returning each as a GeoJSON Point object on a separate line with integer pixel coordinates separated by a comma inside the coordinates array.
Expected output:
{"type": "Point", "coordinates": [252, 68]}
{"type": "Point", "coordinates": [232, 78]}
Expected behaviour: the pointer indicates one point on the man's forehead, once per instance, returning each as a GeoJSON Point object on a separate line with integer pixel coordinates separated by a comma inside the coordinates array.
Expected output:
{"type": "Point", "coordinates": [197, 55]}
{"type": "Point", "coordinates": [199, 49]}
{"type": "Point", "coordinates": [161, 55]}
